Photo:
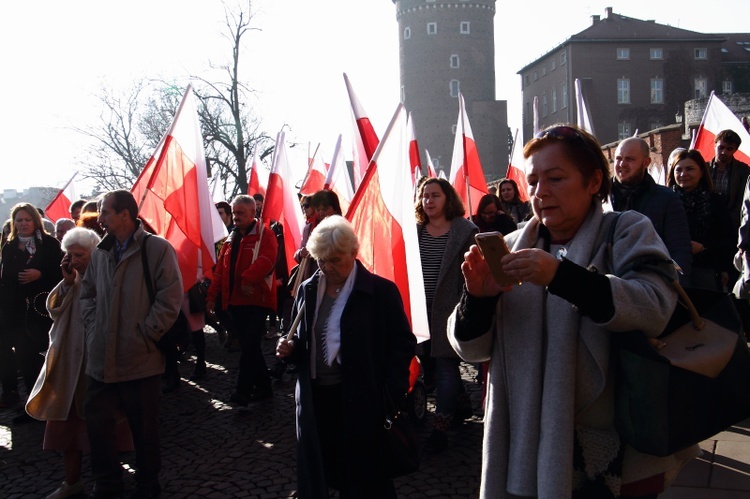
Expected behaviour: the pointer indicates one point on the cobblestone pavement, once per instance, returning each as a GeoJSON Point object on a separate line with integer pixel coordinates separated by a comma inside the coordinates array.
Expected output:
{"type": "Point", "coordinates": [211, 449]}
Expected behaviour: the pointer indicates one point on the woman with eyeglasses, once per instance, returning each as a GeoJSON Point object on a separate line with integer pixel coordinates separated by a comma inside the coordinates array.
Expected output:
{"type": "Point", "coordinates": [549, 426]}
{"type": "Point", "coordinates": [510, 196]}
{"type": "Point", "coordinates": [491, 217]}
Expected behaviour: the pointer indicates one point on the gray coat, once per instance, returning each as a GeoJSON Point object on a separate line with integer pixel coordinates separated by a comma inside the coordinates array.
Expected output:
{"type": "Point", "coordinates": [550, 367]}
{"type": "Point", "coordinates": [450, 284]}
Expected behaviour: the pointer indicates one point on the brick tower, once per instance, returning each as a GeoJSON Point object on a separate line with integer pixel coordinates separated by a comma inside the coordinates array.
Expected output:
{"type": "Point", "coordinates": [447, 46]}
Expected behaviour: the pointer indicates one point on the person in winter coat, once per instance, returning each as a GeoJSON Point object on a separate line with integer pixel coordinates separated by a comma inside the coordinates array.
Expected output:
{"type": "Point", "coordinates": [353, 347]}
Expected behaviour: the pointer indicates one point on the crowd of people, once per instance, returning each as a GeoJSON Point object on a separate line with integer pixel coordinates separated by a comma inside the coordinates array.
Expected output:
{"type": "Point", "coordinates": [95, 317]}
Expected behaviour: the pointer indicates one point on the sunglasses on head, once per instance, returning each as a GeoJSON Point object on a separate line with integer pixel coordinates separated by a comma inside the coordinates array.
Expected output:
{"type": "Point", "coordinates": [560, 133]}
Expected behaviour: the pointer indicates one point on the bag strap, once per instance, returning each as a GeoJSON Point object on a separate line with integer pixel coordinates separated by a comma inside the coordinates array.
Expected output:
{"type": "Point", "coordinates": [146, 271]}
{"type": "Point", "coordinates": [657, 266]}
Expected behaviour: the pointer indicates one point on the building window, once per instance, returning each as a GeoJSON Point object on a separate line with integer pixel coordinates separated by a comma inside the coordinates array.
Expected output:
{"type": "Point", "coordinates": [700, 88]}
{"type": "Point", "coordinates": [454, 127]}
{"type": "Point", "coordinates": [545, 111]}
{"type": "Point", "coordinates": [623, 53]}
{"type": "Point", "coordinates": [403, 94]}
{"type": "Point", "coordinates": [657, 91]}
{"type": "Point", "coordinates": [563, 58]}
{"type": "Point", "coordinates": [726, 87]}
{"type": "Point", "coordinates": [544, 70]}
{"type": "Point", "coordinates": [454, 61]}
{"type": "Point", "coordinates": [564, 95]}
{"type": "Point", "coordinates": [431, 28]}
{"type": "Point", "coordinates": [407, 33]}
{"type": "Point", "coordinates": [535, 76]}
{"type": "Point", "coordinates": [552, 64]}
{"type": "Point", "coordinates": [655, 124]}
{"type": "Point", "coordinates": [528, 113]}
{"type": "Point", "coordinates": [554, 100]}
{"type": "Point", "coordinates": [623, 91]}
{"type": "Point", "coordinates": [526, 80]}
{"type": "Point", "coordinates": [701, 54]}
{"type": "Point", "coordinates": [455, 88]}
{"type": "Point", "coordinates": [655, 54]}
{"type": "Point", "coordinates": [623, 130]}
{"type": "Point", "coordinates": [465, 27]}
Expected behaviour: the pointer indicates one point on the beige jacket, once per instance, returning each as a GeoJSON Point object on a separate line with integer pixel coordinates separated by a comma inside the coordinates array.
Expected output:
{"type": "Point", "coordinates": [122, 327]}
{"type": "Point", "coordinates": [61, 382]}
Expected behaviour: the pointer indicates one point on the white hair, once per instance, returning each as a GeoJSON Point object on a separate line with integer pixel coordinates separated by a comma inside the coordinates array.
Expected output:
{"type": "Point", "coordinates": [79, 236]}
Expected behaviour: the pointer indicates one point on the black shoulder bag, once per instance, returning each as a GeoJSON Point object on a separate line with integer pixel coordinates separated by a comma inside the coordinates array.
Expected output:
{"type": "Point", "coordinates": [689, 384]}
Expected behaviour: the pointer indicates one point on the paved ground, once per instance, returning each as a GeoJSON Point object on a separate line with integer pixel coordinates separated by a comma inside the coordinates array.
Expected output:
{"type": "Point", "coordinates": [211, 449]}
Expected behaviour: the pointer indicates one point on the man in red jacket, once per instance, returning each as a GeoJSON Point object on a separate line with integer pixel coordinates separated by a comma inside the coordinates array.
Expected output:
{"type": "Point", "coordinates": [244, 279]}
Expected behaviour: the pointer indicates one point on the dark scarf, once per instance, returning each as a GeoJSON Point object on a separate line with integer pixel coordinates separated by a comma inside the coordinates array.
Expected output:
{"type": "Point", "coordinates": [697, 204]}
{"type": "Point", "coordinates": [627, 197]}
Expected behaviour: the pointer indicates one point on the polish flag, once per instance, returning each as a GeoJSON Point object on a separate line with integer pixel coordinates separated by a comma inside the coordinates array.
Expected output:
{"type": "Point", "coordinates": [338, 180]}
{"type": "Point", "coordinates": [365, 139]}
{"type": "Point", "coordinates": [718, 117]}
{"type": "Point", "coordinates": [173, 196]}
{"type": "Point", "coordinates": [59, 207]}
{"type": "Point", "coordinates": [281, 202]}
{"type": "Point", "coordinates": [382, 213]}
{"type": "Point", "coordinates": [467, 176]}
{"type": "Point", "coordinates": [316, 175]}
{"type": "Point", "coordinates": [254, 186]}
{"type": "Point", "coordinates": [430, 167]}
{"type": "Point", "coordinates": [516, 170]}
{"type": "Point", "coordinates": [414, 160]}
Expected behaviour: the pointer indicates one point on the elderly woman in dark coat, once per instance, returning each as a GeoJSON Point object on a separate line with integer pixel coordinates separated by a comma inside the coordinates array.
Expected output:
{"type": "Point", "coordinates": [353, 345]}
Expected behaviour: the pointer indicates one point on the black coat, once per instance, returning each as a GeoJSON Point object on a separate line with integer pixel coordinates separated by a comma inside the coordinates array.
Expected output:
{"type": "Point", "coordinates": [377, 346]}
{"type": "Point", "coordinates": [14, 294]}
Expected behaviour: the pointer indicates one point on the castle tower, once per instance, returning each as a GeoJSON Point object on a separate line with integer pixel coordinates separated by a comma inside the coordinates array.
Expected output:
{"type": "Point", "coordinates": [447, 47]}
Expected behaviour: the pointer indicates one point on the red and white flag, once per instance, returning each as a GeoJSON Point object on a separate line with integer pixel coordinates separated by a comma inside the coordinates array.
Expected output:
{"type": "Point", "coordinates": [430, 167]}
{"type": "Point", "coordinates": [414, 160]}
{"type": "Point", "coordinates": [382, 213]}
{"type": "Point", "coordinates": [467, 176]}
{"type": "Point", "coordinates": [172, 192]}
{"type": "Point", "coordinates": [516, 169]}
{"type": "Point", "coordinates": [59, 207]}
{"type": "Point", "coordinates": [364, 138]}
{"type": "Point", "coordinates": [316, 174]}
{"type": "Point", "coordinates": [718, 117]}
{"type": "Point", "coordinates": [254, 186]}
{"type": "Point", "coordinates": [338, 180]}
{"type": "Point", "coordinates": [281, 203]}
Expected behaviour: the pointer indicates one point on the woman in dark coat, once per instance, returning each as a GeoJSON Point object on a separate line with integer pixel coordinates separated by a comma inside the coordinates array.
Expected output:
{"type": "Point", "coordinates": [713, 241]}
{"type": "Point", "coordinates": [30, 269]}
{"type": "Point", "coordinates": [353, 345]}
{"type": "Point", "coordinates": [490, 216]}
{"type": "Point", "coordinates": [518, 210]}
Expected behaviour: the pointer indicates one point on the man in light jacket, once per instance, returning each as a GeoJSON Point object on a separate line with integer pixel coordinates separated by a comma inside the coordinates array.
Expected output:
{"type": "Point", "coordinates": [122, 328]}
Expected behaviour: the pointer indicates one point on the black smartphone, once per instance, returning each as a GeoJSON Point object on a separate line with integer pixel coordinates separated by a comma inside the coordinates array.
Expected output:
{"type": "Point", "coordinates": [494, 248]}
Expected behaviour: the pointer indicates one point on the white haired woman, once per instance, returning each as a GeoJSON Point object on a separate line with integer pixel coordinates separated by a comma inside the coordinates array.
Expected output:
{"type": "Point", "coordinates": [353, 345]}
{"type": "Point", "coordinates": [57, 396]}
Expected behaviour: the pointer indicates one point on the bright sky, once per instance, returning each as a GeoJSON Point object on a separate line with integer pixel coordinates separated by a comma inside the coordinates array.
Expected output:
{"type": "Point", "coordinates": [56, 55]}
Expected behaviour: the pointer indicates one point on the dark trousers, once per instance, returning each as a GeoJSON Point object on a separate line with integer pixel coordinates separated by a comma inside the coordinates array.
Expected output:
{"type": "Point", "coordinates": [139, 400]}
{"type": "Point", "coordinates": [251, 327]}
{"type": "Point", "coordinates": [28, 356]}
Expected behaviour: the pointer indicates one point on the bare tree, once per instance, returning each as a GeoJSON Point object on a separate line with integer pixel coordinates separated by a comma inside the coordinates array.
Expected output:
{"type": "Point", "coordinates": [131, 126]}
{"type": "Point", "coordinates": [231, 130]}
